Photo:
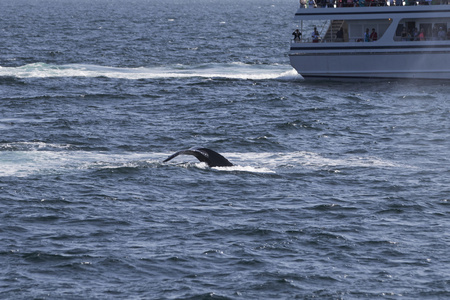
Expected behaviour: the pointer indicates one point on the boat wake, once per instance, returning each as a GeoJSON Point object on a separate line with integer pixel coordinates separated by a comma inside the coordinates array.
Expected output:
{"type": "Point", "coordinates": [226, 71]}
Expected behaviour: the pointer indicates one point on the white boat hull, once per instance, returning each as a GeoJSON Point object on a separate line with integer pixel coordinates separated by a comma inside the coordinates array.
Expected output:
{"type": "Point", "coordinates": [427, 62]}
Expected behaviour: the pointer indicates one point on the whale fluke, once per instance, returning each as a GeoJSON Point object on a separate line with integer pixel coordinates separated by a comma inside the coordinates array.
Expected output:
{"type": "Point", "coordinates": [212, 158]}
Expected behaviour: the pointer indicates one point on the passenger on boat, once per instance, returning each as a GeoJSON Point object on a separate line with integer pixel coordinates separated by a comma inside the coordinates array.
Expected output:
{"type": "Point", "coordinates": [312, 3]}
{"type": "Point", "coordinates": [442, 35]}
{"type": "Point", "coordinates": [422, 35]}
{"type": "Point", "coordinates": [414, 34]}
{"type": "Point", "coordinates": [367, 35]}
{"type": "Point", "coordinates": [297, 35]}
{"type": "Point", "coordinates": [315, 35]}
{"type": "Point", "coordinates": [340, 35]}
{"type": "Point", "coordinates": [303, 3]}
{"type": "Point", "coordinates": [434, 32]}
{"type": "Point", "coordinates": [373, 35]}
{"type": "Point", "coordinates": [405, 35]}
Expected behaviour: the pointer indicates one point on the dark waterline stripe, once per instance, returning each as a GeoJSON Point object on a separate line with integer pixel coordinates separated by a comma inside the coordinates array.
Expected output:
{"type": "Point", "coordinates": [368, 47]}
{"type": "Point", "coordinates": [369, 53]}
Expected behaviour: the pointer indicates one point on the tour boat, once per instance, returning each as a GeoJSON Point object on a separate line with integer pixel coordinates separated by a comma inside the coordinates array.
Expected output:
{"type": "Point", "coordinates": [410, 41]}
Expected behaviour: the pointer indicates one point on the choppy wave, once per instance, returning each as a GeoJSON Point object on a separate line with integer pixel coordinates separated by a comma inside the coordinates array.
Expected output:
{"type": "Point", "coordinates": [227, 71]}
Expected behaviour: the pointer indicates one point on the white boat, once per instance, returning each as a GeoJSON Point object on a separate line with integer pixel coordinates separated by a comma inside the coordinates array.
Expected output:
{"type": "Point", "coordinates": [412, 40]}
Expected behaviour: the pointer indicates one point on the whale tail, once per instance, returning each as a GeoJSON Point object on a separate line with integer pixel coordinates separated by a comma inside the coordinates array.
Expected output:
{"type": "Point", "coordinates": [212, 158]}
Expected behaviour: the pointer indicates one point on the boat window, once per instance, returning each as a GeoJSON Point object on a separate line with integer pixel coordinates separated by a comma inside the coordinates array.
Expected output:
{"type": "Point", "coordinates": [423, 30]}
{"type": "Point", "coordinates": [356, 29]}
{"type": "Point", "coordinates": [427, 28]}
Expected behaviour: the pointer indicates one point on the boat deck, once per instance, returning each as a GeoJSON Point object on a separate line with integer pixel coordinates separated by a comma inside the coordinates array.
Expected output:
{"type": "Point", "coordinates": [367, 3]}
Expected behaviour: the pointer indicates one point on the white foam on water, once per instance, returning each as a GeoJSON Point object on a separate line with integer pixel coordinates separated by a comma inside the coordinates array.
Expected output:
{"type": "Point", "coordinates": [249, 169]}
{"type": "Point", "coordinates": [227, 71]}
{"type": "Point", "coordinates": [272, 160]}
{"type": "Point", "coordinates": [41, 162]}
{"type": "Point", "coordinates": [38, 158]}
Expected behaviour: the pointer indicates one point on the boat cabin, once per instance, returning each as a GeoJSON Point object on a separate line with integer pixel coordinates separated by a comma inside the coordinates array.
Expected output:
{"type": "Point", "coordinates": [337, 22]}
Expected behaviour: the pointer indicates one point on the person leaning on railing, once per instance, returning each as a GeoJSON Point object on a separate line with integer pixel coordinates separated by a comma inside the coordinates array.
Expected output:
{"type": "Point", "coordinates": [297, 35]}
{"type": "Point", "coordinates": [315, 36]}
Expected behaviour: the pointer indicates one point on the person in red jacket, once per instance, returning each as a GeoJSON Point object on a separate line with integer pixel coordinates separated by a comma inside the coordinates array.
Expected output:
{"type": "Point", "coordinates": [373, 35]}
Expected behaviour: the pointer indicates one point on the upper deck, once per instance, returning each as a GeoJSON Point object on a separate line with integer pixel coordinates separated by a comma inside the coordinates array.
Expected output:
{"type": "Point", "coordinates": [379, 9]}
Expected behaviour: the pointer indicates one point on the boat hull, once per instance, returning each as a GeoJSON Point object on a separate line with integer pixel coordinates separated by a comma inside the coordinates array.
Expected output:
{"type": "Point", "coordinates": [403, 61]}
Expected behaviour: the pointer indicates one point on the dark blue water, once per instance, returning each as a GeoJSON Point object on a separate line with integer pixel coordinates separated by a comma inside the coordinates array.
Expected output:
{"type": "Point", "coordinates": [339, 189]}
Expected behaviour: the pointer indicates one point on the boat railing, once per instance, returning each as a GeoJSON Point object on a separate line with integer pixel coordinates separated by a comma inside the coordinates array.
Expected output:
{"type": "Point", "coordinates": [366, 3]}
{"type": "Point", "coordinates": [360, 40]}
{"type": "Point", "coordinates": [311, 40]}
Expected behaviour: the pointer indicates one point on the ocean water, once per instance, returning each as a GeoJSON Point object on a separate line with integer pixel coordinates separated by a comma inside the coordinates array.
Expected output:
{"type": "Point", "coordinates": [340, 190]}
